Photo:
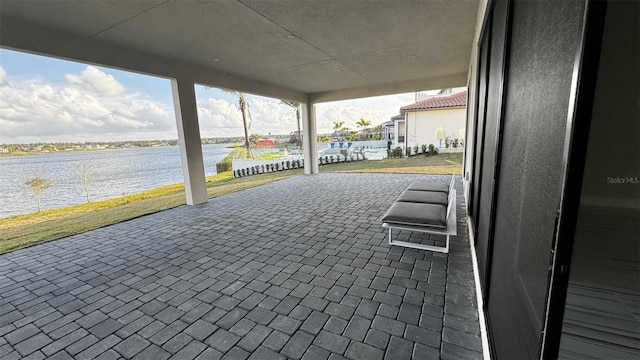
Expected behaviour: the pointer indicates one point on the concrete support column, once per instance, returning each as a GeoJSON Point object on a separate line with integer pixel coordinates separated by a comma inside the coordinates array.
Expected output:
{"type": "Point", "coordinates": [184, 102]}
{"type": "Point", "coordinates": [309, 135]}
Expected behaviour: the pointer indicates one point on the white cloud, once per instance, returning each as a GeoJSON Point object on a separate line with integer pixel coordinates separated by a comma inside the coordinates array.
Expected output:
{"type": "Point", "coordinates": [3, 77]}
{"type": "Point", "coordinates": [375, 109]}
{"type": "Point", "coordinates": [95, 80]}
{"type": "Point", "coordinates": [33, 111]}
{"type": "Point", "coordinates": [219, 117]}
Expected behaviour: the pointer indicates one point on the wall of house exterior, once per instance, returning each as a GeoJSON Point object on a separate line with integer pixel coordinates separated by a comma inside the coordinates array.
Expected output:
{"type": "Point", "coordinates": [422, 125]}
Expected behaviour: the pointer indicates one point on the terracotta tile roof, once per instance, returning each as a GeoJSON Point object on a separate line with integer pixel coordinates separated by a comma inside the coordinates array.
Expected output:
{"type": "Point", "coordinates": [450, 101]}
{"type": "Point", "coordinates": [397, 117]}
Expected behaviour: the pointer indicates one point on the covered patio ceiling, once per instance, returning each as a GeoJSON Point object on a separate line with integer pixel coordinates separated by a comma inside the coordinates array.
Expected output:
{"type": "Point", "coordinates": [300, 50]}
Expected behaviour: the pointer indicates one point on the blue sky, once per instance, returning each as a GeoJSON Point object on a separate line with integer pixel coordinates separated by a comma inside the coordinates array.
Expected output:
{"type": "Point", "coordinates": [44, 99]}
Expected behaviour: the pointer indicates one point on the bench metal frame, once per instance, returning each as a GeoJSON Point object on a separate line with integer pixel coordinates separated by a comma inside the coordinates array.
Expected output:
{"type": "Point", "coordinates": [451, 228]}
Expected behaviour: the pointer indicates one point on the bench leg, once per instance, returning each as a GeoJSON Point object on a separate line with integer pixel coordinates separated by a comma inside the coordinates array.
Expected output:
{"type": "Point", "coordinates": [441, 249]}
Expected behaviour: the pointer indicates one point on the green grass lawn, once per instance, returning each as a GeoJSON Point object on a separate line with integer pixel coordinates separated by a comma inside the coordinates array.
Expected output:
{"type": "Point", "coordinates": [30, 229]}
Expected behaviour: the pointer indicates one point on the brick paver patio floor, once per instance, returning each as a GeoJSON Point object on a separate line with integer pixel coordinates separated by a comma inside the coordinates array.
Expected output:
{"type": "Point", "coordinates": [295, 269]}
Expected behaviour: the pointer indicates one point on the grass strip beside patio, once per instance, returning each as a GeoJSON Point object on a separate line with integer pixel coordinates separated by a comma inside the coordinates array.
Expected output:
{"type": "Point", "coordinates": [30, 229]}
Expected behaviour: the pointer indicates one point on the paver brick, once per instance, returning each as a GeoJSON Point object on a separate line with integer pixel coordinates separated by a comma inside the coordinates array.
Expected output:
{"type": "Point", "coordinates": [236, 353]}
{"type": "Point", "coordinates": [177, 342]}
{"type": "Point", "coordinates": [98, 348]}
{"type": "Point", "coordinates": [276, 340]}
{"type": "Point", "coordinates": [314, 322]}
{"type": "Point", "coordinates": [454, 352]}
{"type": "Point", "coordinates": [105, 328]}
{"type": "Point", "coordinates": [332, 342]}
{"type": "Point", "coordinates": [152, 352]}
{"type": "Point", "coordinates": [261, 316]}
{"type": "Point", "coordinates": [191, 351]}
{"type": "Point", "coordinates": [338, 310]}
{"type": "Point", "coordinates": [390, 326]}
{"type": "Point", "coordinates": [297, 345]}
{"type": "Point", "coordinates": [316, 353]}
{"type": "Point", "coordinates": [210, 354]}
{"type": "Point", "coordinates": [32, 344]}
{"type": "Point", "coordinates": [222, 340]}
{"type": "Point", "coordinates": [168, 332]}
{"type": "Point", "coordinates": [360, 351]}
{"type": "Point", "coordinates": [357, 328]}
{"type": "Point", "coordinates": [231, 318]}
{"type": "Point", "coordinates": [64, 341]}
{"type": "Point", "coordinates": [425, 352]}
{"type": "Point", "coordinates": [131, 346]}
{"type": "Point", "coordinates": [399, 348]}
{"type": "Point", "coordinates": [254, 337]}
{"type": "Point", "coordinates": [169, 314]}
{"type": "Point", "coordinates": [335, 325]}
{"type": "Point", "coordinates": [81, 344]}
{"type": "Point", "coordinates": [200, 330]}
{"type": "Point", "coordinates": [285, 324]}
{"type": "Point", "coordinates": [462, 339]}
{"type": "Point", "coordinates": [21, 334]}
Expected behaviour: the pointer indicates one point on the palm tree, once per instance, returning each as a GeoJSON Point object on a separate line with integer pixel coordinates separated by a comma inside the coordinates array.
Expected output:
{"type": "Point", "coordinates": [254, 138]}
{"type": "Point", "coordinates": [242, 105]}
{"type": "Point", "coordinates": [378, 130]}
{"type": "Point", "coordinates": [338, 126]}
{"type": "Point", "coordinates": [296, 106]}
{"type": "Point", "coordinates": [362, 123]}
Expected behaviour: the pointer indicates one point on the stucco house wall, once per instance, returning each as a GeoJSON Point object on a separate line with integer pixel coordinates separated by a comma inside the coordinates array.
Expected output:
{"type": "Point", "coordinates": [421, 125]}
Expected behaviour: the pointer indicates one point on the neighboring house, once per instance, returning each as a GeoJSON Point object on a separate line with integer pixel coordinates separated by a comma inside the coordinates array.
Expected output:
{"type": "Point", "coordinates": [417, 123]}
{"type": "Point", "coordinates": [388, 127]}
{"type": "Point", "coordinates": [266, 143]}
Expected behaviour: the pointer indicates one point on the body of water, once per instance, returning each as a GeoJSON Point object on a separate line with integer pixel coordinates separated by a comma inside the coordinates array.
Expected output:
{"type": "Point", "coordinates": [116, 173]}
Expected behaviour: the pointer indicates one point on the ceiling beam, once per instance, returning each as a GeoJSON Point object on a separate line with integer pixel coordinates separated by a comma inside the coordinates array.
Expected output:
{"type": "Point", "coordinates": [28, 37]}
{"type": "Point", "coordinates": [444, 82]}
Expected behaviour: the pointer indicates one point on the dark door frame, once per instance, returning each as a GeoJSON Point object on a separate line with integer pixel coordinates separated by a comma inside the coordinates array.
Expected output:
{"type": "Point", "coordinates": [585, 72]}
{"type": "Point", "coordinates": [498, 144]}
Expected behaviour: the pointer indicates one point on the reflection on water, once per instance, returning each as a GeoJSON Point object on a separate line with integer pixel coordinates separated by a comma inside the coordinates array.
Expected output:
{"type": "Point", "coordinates": [116, 173]}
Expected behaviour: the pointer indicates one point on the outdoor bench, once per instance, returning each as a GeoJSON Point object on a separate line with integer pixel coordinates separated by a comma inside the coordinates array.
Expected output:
{"type": "Point", "coordinates": [427, 208]}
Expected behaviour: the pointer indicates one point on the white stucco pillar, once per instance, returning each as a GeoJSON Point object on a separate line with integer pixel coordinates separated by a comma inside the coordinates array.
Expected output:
{"type": "Point", "coordinates": [184, 102]}
{"type": "Point", "coordinates": [309, 135]}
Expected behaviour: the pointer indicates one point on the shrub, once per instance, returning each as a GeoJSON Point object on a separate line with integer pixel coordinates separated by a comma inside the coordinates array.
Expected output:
{"type": "Point", "coordinates": [415, 150]}
{"type": "Point", "coordinates": [224, 165]}
{"type": "Point", "coordinates": [397, 152]}
{"type": "Point", "coordinates": [408, 151]}
{"type": "Point", "coordinates": [432, 149]}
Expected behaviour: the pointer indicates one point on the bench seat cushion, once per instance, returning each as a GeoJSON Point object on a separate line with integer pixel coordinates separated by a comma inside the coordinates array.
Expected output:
{"type": "Point", "coordinates": [417, 214]}
{"type": "Point", "coordinates": [423, 186]}
{"type": "Point", "coordinates": [427, 197]}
